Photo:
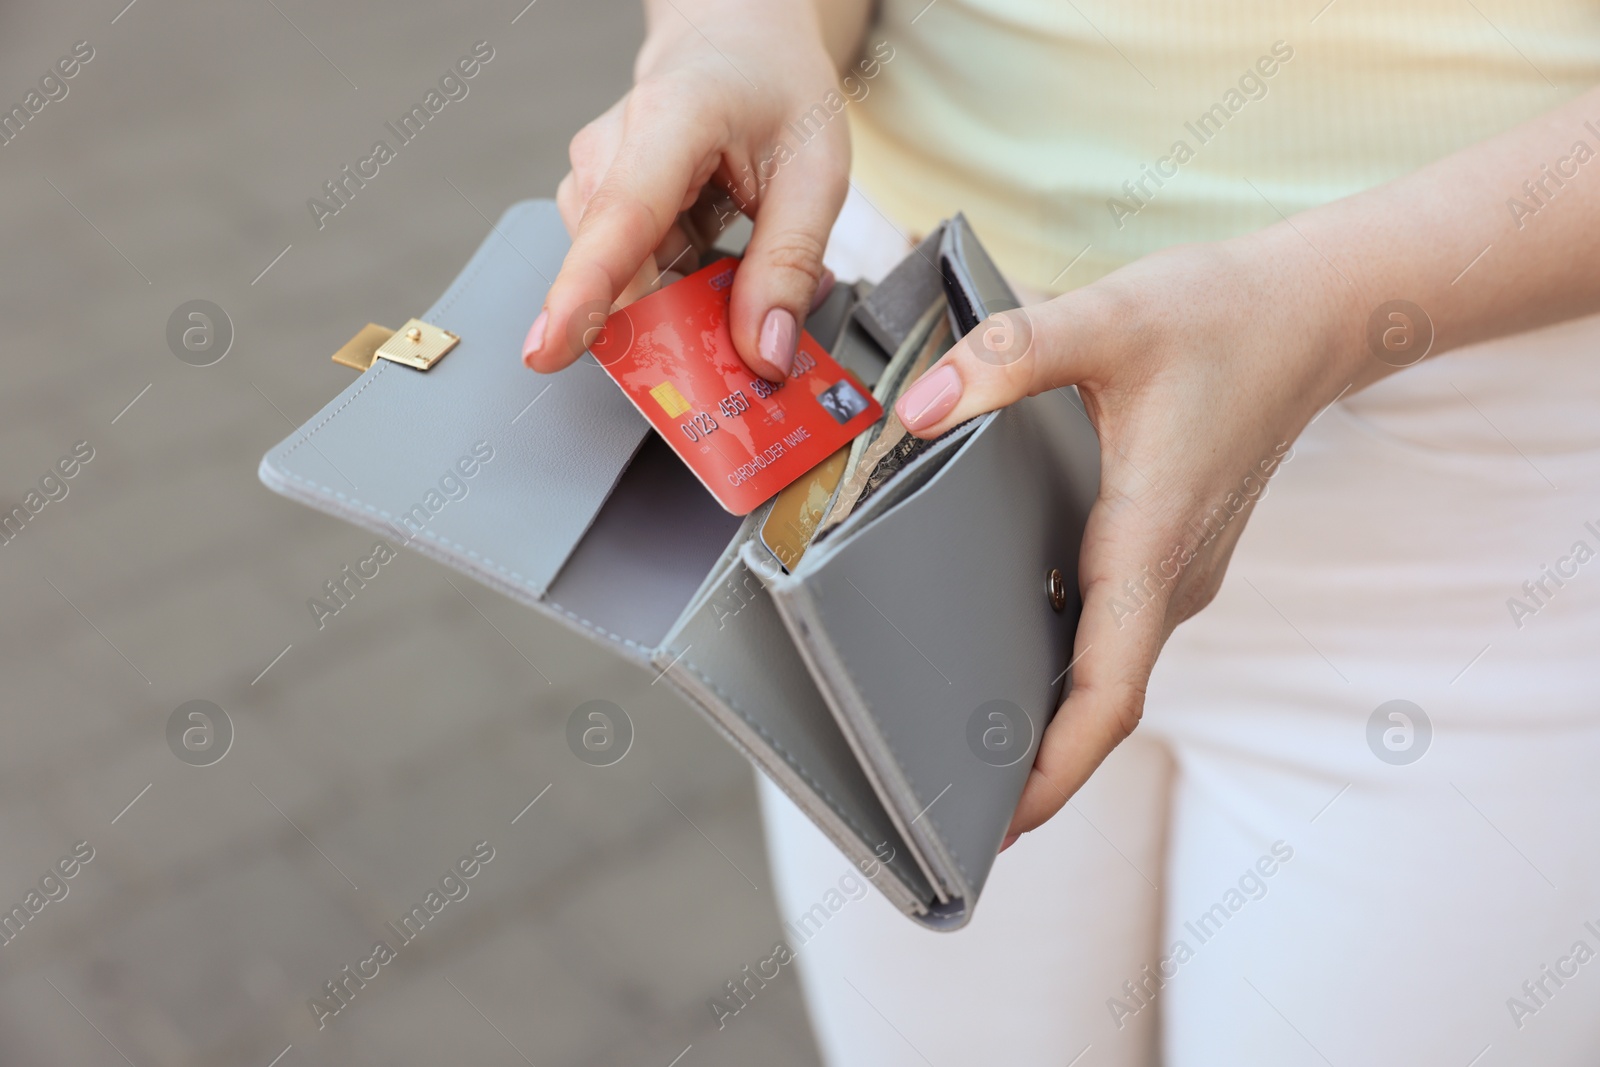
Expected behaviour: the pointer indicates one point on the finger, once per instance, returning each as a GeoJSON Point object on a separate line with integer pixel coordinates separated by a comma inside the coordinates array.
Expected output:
{"type": "Point", "coordinates": [682, 252]}
{"type": "Point", "coordinates": [1120, 632]}
{"type": "Point", "coordinates": [677, 251]}
{"type": "Point", "coordinates": [569, 203]}
{"type": "Point", "coordinates": [646, 280]}
{"type": "Point", "coordinates": [593, 147]}
{"type": "Point", "coordinates": [1008, 356]}
{"type": "Point", "coordinates": [622, 222]}
{"type": "Point", "coordinates": [711, 215]}
{"type": "Point", "coordinates": [782, 265]}
{"type": "Point", "coordinates": [824, 287]}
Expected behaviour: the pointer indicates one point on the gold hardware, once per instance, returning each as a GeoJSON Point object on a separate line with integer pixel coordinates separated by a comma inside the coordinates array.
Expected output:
{"type": "Point", "coordinates": [416, 344]}
{"type": "Point", "coordinates": [359, 352]}
{"type": "Point", "coordinates": [1056, 587]}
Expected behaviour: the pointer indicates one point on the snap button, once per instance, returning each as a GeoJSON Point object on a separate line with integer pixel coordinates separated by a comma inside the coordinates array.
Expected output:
{"type": "Point", "coordinates": [1056, 587]}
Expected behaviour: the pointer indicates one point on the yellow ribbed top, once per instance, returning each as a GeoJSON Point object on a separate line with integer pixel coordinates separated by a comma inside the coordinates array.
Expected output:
{"type": "Point", "coordinates": [1030, 115]}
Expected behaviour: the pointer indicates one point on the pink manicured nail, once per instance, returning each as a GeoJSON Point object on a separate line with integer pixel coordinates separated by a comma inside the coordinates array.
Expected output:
{"type": "Point", "coordinates": [932, 398]}
{"type": "Point", "coordinates": [1010, 840]}
{"type": "Point", "coordinates": [824, 287]}
{"type": "Point", "coordinates": [778, 338]}
{"type": "Point", "coordinates": [535, 339]}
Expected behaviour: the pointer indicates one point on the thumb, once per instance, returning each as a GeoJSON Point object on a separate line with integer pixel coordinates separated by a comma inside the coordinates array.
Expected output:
{"type": "Point", "coordinates": [782, 266]}
{"type": "Point", "coordinates": [1007, 356]}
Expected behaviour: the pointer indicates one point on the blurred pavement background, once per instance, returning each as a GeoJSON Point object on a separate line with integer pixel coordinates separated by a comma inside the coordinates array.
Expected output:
{"type": "Point", "coordinates": [368, 756]}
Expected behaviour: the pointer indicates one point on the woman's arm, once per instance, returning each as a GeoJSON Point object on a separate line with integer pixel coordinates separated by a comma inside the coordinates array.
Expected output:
{"type": "Point", "coordinates": [1200, 364]}
{"type": "Point", "coordinates": [1527, 202]}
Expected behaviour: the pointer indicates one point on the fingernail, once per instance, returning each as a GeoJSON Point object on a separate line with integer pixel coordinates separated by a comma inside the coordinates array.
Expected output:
{"type": "Point", "coordinates": [1010, 840]}
{"type": "Point", "coordinates": [535, 339]}
{"type": "Point", "coordinates": [778, 340]}
{"type": "Point", "coordinates": [932, 398]}
{"type": "Point", "coordinates": [824, 287]}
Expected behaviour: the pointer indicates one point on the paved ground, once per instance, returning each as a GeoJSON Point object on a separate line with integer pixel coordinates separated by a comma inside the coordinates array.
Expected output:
{"type": "Point", "coordinates": [375, 753]}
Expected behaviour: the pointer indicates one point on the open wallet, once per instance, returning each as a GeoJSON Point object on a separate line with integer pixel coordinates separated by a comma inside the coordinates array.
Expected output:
{"type": "Point", "coordinates": [894, 680]}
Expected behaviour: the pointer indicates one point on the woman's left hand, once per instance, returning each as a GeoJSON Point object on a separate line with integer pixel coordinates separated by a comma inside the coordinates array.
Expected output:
{"type": "Point", "coordinates": [1198, 366]}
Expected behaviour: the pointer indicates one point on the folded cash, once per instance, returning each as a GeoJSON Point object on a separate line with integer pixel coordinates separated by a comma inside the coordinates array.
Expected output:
{"type": "Point", "coordinates": [876, 455]}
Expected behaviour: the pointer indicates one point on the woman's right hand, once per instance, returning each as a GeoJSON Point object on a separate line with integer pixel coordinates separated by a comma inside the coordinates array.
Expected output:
{"type": "Point", "coordinates": [651, 178]}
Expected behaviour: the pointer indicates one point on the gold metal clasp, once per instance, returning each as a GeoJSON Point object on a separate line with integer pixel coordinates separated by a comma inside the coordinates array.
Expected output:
{"type": "Point", "coordinates": [359, 352]}
{"type": "Point", "coordinates": [417, 344]}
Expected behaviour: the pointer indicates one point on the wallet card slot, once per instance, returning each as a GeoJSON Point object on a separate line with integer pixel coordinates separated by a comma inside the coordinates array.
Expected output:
{"type": "Point", "coordinates": [904, 482]}
{"type": "Point", "coordinates": [660, 539]}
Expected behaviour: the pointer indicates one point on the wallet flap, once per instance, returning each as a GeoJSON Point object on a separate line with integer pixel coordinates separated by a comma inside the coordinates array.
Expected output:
{"type": "Point", "coordinates": [476, 460]}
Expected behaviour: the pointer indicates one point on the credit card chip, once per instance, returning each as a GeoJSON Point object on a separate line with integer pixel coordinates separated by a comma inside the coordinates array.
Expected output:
{"type": "Point", "coordinates": [671, 401]}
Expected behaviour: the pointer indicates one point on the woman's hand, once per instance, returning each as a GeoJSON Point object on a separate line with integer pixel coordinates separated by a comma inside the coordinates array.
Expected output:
{"type": "Point", "coordinates": [705, 134]}
{"type": "Point", "coordinates": [1198, 367]}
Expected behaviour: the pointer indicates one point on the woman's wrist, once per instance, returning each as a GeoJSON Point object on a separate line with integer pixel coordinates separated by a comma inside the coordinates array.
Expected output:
{"type": "Point", "coordinates": [676, 26]}
{"type": "Point", "coordinates": [1332, 313]}
{"type": "Point", "coordinates": [665, 39]}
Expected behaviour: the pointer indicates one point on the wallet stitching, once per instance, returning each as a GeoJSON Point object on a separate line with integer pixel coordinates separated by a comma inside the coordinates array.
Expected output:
{"type": "Point", "coordinates": [526, 583]}
{"type": "Point", "coordinates": [789, 758]}
{"type": "Point", "coordinates": [429, 534]}
{"type": "Point", "coordinates": [305, 436]}
{"type": "Point", "coordinates": [587, 625]}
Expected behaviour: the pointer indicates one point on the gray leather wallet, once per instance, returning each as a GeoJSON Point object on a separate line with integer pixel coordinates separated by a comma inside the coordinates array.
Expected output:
{"type": "Point", "coordinates": [895, 685]}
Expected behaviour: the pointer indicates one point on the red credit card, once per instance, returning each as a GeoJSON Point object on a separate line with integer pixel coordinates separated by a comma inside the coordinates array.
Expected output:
{"type": "Point", "coordinates": [744, 437]}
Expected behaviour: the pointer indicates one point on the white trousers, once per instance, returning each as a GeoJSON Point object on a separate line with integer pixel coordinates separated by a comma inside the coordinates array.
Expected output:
{"type": "Point", "coordinates": [1272, 871]}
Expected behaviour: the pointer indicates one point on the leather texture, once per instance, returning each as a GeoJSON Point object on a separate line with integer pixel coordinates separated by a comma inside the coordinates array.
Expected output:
{"type": "Point", "coordinates": [733, 656]}
{"type": "Point", "coordinates": [850, 682]}
{"type": "Point", "coordinates": [951, 547]}
{"type": "Point", "coordinates": [916, 617]}
{"type": "Point", "coordinates": [647, 552]}
{"type": "Point", "coordinates": [574, 518]}
{"type": "Point", "coordinates": [375, 452]}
